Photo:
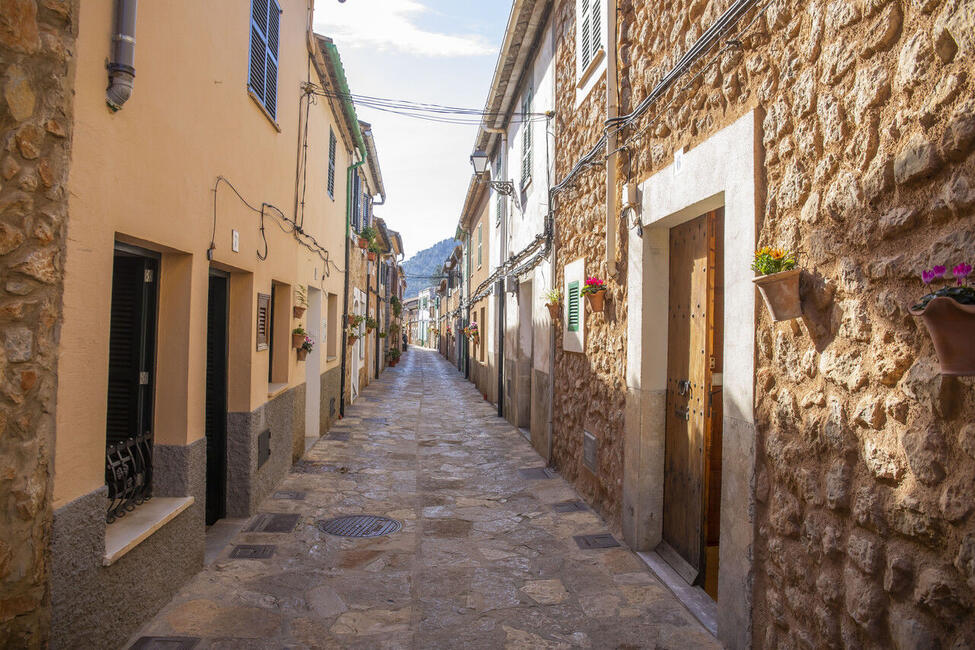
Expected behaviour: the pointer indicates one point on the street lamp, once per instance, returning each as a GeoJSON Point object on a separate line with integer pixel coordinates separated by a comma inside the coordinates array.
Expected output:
{"type": "Point", "coordinates": [479, 159]}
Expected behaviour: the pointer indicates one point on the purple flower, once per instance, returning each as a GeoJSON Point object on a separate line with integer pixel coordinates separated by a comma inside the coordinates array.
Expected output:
{"type": "Point", "coordinates": [927, 276]}
{"type": "Point", "coordinates": [938, 271]}
{"type": "Point", "coordinates": [961, 272]}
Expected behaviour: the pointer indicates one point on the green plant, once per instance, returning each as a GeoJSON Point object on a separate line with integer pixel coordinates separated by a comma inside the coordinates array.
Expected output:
{"type": "Point", "coordinates": [381, 335]}
{"type": "Point", "coordinates": [393, 353]}
{"type": "Point", "coordinates": [397, 305]}
{"type": "Point", "coordinates": [355, 321]}
{"type": "Point", "coordinates": [369, 233]}
{"type": "Point", "coordinates": [308, 345]}
{"type": "Point", "coordinates": [770, 260]}
{"type": "Point", "coordinates": [300, 331]}
{"type": "Point", "coordinates": [962, 292]}
{"type": "Point", "coordinates": [374, 247]}
{"type": "Point", "coordinates": [553, 297]}
{"type": "Point", "coordinates": [593, 285]}
{"type": "Point", "coordinates": [301, 296]}
{"type": "Point", "coordinates": [371, 323]}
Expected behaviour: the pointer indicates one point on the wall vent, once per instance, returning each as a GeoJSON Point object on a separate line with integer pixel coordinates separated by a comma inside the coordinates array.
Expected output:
{"type": "Point", "coordinates": [590, 449]}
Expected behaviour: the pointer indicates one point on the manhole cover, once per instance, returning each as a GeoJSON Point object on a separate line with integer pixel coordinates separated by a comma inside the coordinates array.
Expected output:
{"type": "Point", "coordinates": [569, 506]}
{"type": "Point", "coordinates": [338, 435]}
{"type": "Point", "coordinates": [252, 551]}
{"type": "Point", "coordinates": [360, 526]}
{"type": "Point", "coordinates": [290, 495]}
{"type": "Point", "coordinates": [603, 540]}
{"type": "Point", "coordinates": [536, 473]}
{"type": "Point", "coordinates": [165, 643]}
{"type": "Point", "coordinates": [267, 522]}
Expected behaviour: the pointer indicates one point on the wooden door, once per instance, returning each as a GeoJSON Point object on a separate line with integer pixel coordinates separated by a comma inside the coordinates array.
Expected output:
{"type": "Point", "coordinates": [690, 356]}
{"type": "Point", "coordinates": [215, 420]}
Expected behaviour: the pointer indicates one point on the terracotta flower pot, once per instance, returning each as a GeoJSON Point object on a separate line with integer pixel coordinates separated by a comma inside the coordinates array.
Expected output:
{"type": "Point", "coordinates": [302, 354]}
{"type": "Point", "coordinates": [781, 294]}
{"type": "Point", "coordinates": [353, 339]}
{"type": "Point", "coordinates": [297, 340]}
{"type": "Point", "coordinates": [952, 329]}
{"type": "Point", "coordinates": [351, 320]}
{"type": "Point", "coordinates": [363, 243]}
{"type": "Point", "coordinates": [299, 311]}
{"type": "Point", "coordinates": [554, 310]}
{"type": "Point", "coordinates": [371, 256]}
{"type": "Point", "coordinates": [596, 300]}
{"type": "Point", "coordinates": [476, 338]}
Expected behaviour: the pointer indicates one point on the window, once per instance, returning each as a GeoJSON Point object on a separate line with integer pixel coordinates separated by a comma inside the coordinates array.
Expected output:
{"type": "Point", "coordinates": [332, 349]}
{"type": "Point", "coordinates": [480, 240]}
{"type": "Point", "coordinates": [480, 325]}
{"type": "Point", "coordinates": [526, 138]}
{"type": "Point", "coordinates": [263, 67]}
{"type": "Point", "coordinates": [331, 163]}
{"type": "Point", "coordinates": [573, 315]}
{"type": "Point", "coordinates": [590, 34]}
{"type": "Point", "coordinates": [356, 198]}
{"type": "Point", "coordinates": [263, 319]}
{"type": "Point", "coordinates": [499, 211]}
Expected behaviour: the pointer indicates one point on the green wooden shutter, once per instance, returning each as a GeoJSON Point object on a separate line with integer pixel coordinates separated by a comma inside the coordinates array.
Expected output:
{"type": "Point", "coordinates": [573, 295]}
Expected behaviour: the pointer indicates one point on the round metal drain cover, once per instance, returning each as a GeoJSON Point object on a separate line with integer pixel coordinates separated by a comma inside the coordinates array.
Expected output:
{"type": "Point", "coordinates": [360, 526]}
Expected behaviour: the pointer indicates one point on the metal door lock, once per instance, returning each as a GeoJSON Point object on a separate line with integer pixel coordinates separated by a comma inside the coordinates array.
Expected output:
{"type": "Point", "coordinates": [683, 413]}
{"type": "Point", "coordinates": [683, 387]}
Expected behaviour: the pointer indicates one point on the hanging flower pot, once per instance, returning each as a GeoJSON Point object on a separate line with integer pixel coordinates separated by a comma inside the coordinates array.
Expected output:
{"type": "Point", "coordinates": [949, 315]}
{"type": "Point", "coordinates": [595, 292]}
{"type": "Point", "coordinates": [780, 291]}
{"type": "Point", "coordinates": [778, 282]}
{"type": "Point", "coordinates": [554, 311]}
{"type": "Point", "coordinates": [299, 311]}
{"type": "Point", "coordinates": [298, 337]}
{"type": "Point", "coordinates": [363, 242]}
{"type": "Point", "coordinates": [371, 256]}
{"type": "Point", "coordinates": [302, 354]}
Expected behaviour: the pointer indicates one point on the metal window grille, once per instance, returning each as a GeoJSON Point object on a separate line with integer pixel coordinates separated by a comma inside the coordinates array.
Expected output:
{"type": "Point", "coordinates": [526, 139]}
{"type": "Point", "coordinates": [331, 162]}
{"type": "Point", "coordinates": [480, 239]}
{"type": "Point", "coordinates": [263, 319]}
{"type": "Point", "coordinates": [262, 73]}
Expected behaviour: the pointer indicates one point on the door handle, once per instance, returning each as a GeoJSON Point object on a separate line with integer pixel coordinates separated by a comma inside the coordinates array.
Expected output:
{"type": "Point", "coordinates": [682, 413]}
{"type": "Point", "coordinates": [683, 387]}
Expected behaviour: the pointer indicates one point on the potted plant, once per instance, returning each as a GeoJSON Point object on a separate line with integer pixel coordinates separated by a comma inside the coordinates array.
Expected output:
{"type": "Point", "coordinates": [353, 334]}
{"type": "Point", "coordinates": [595, 292]}
{"type": "Point", "coordinates": [393, 355]}
{"type": "Point", "coordinates": [298, 336]}
{"type": "Point", "coordinates": [373, 251]}
{"type": "Point", "coordinates": [366, 236]}
{"type": "Point", "coordinates": [381, 335]}
{"type": "Point", "coordinates": [397, 306]}
{"type": "Point", "coordinates": [301, 301]}
{"type": "Point", "coordinates": [306, 346]}
{"type": "Point", "coordinates": [473, 332]}
{"type": "Point", "coordinates": [371, 324]}
{"type": "Point", "coordinates": [778, 282]}
{"type": "Point", "coordinates": [949, 315]}
{"type": "Point", "coordinates": [553, 300]}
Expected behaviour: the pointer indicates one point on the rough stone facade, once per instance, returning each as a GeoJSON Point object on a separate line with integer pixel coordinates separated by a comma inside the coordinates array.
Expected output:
{"type": "Point", "coordinates": [865, 452]}
{"type": "Point", "coordinates": [36, 41]}
{"type": "Point", "coordinates": [590, 389]}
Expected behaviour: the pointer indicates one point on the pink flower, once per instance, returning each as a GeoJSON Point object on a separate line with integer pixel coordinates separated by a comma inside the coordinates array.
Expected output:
{"type": "Point", "coordinates": [927, 276]}
{"type": "Point", "coordinates": [961, 272]}
{"type": "Point", "coordinates": [938, 271]}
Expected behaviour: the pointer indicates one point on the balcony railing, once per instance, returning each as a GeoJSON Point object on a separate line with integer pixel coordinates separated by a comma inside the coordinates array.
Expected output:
{"type": "Point", "coordinates": [128, 473]}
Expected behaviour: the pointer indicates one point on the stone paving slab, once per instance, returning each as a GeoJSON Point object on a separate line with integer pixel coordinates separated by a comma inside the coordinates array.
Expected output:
{"type": "Point", "coordinates": [482, 560]}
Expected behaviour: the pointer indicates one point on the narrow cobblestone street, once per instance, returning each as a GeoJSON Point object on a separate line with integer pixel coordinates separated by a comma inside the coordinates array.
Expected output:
{"type": "Point", "coordinates": [483, 559]}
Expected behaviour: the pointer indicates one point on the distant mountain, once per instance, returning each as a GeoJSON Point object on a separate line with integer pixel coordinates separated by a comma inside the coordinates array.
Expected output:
{"type": "Point", "coordinates": [420, 268]}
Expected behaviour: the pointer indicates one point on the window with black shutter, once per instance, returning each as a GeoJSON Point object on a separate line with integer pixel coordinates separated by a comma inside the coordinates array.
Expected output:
{"type": "Point", "coordinates": [262, 76]}
{"type": "Point", "coordinates": [263, 320]}
{"type": "Point", "coordinates": [331, 162]}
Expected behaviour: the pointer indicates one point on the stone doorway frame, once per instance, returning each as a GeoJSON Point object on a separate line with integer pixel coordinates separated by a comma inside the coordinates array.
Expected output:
{"type": "Point", "coordinates": [723, 171]}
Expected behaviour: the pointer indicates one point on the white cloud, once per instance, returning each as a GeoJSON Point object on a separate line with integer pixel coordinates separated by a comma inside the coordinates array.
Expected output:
{"type": "Point", "coordinates": [390, 25]}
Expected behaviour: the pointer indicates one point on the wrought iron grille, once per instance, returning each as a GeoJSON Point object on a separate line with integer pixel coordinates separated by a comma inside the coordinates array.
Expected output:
{"type": "Point", "coordinates": [128, 473]}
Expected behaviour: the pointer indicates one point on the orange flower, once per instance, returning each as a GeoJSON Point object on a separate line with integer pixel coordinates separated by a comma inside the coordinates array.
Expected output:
{"type": "Point", "coordinates": [777, 253]}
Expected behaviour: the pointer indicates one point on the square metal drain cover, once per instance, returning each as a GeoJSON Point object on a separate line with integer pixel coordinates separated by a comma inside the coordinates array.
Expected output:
{"type": "Point", "coordinates": [536, 473]}
{"type": "Point", "coordinates": [289, 495]}
{"type": "Point", "coordinates": [252, 551]}
{"type": "Point", "coordinates": [603, 540]}
{"type": "Point", "coordinates": [338, 435]}
{"type": "Point", "coordinates": [376, 420]}
{"type": "Point", "coordinates": [267, 522]}
{"type": "Point", "coordinates": [165, 643]}
{"type": "Point", "coordinates": [570, 506]}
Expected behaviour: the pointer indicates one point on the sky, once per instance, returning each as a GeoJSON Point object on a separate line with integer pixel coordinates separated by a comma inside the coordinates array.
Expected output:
{"type": "Point", "coordinates": [432, 51]}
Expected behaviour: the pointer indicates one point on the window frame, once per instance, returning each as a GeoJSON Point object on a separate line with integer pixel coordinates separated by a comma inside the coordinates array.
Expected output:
{"type": "Point", "coordinates": [332, 147]}
{"type": "Point", "coordinates": [526, 138]}
{"type": "Point", "coordinates": [480, 241]}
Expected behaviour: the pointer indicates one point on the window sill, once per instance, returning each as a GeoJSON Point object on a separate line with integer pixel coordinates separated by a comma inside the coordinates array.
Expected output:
{"type": "Point", "coordinates": [591, 68]}
{"type": "Point", "coordinates": [270, 118]}
{"type": "Point", "coordinates": [137, 526]}
{"type": "Point", "coordinates": [273, 390]}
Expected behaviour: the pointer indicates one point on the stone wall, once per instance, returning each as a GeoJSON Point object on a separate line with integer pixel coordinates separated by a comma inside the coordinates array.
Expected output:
{"type": "Point", "coordinates": [36, 43]}
{"type": "Point", "coordinates": [589, 388]}
{"type": "Point", "coordinates": [865, 453]}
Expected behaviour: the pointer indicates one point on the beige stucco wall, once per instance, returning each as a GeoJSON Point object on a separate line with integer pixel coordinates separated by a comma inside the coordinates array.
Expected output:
{"type": "Point", "coordinates": [145, 175]}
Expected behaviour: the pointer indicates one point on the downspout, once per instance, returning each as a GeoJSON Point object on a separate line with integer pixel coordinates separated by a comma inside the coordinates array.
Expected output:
{"type": "Point", "coordinates": [121, 69]}
{"type": "Point", "coordinates": [378, 340]}
{"type": "Point", "coordinates": [612, 111]}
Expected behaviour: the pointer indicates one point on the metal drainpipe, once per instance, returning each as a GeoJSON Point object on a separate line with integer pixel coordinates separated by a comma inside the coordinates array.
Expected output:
{"type": "Point", "coordinates": [502, 258]}
{"type": "Point", "coordinates": [345, 297]}
{"type": "Point", "coordinates": [121, 69]}
{"type": "Point", "coordinates": [612, 111]}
